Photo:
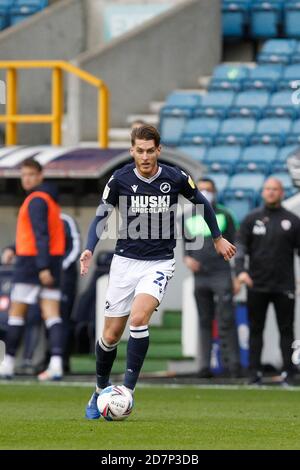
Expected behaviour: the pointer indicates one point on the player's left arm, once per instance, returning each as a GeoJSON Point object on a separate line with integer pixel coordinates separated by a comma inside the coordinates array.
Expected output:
{"type": "Point", "coordinates": [190, 191]}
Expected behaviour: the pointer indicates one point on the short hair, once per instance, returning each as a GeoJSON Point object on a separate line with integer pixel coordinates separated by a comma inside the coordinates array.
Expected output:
{"type": "Point", "coordinates": [208, 180]}
{"type": "Point", "coordinates": [145, 132]}
{"type": "Point", "coordinates": [31, 163]}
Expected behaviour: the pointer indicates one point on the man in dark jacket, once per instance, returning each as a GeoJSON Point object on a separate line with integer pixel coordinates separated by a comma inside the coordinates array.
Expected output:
{"type": "Point", "coordinates": [269, 236]}
{"type": "Point", "coordinates": [40, 246]}
{"type": "Point", "coordinates": [213, 283]}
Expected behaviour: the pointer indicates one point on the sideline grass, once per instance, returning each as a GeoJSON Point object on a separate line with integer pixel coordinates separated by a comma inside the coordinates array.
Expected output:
{"type": "Point", "coordinates": [51, 417]}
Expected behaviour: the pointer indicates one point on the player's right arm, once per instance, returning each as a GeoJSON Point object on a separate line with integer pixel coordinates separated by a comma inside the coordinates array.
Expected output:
{"type": "Point", "coordinates": [109, 201]}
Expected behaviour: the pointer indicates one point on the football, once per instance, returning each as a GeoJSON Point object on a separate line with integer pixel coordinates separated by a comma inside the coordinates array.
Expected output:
{"type": "Point", "coordinates": [115, 403]}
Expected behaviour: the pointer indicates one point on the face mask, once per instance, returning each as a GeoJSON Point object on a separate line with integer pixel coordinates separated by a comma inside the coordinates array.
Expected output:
{"type": "Point", "coordinates": [208, 195]}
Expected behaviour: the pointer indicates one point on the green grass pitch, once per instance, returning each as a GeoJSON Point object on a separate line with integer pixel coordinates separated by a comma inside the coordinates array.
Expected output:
{"type": "Point", "coordinates": [51, 417]}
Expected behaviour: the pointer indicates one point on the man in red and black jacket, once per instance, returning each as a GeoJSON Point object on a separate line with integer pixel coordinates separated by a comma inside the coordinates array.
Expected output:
{"type": "Point", "coordinates": [40, 246]}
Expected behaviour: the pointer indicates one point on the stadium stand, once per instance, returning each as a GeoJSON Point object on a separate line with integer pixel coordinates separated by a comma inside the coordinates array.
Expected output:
{"type": "Point", "coordinates": [15, 11]}
{"type": "Point", "coordinates": [258, 19]}
{"type": "Point", "coordinates": [244, 127]}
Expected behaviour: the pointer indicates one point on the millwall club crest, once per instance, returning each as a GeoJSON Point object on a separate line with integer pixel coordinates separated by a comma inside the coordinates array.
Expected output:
{"type": "Point", "coordinates": [134, 188]}
{"type": "Point", "coordinates": [286, 224]}
{"type": "Point", "coordinates": [165, 188]}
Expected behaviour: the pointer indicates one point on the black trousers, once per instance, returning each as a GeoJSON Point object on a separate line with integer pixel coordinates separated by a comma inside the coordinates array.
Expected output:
{"type": "Point", "coordinates": [284, 304]}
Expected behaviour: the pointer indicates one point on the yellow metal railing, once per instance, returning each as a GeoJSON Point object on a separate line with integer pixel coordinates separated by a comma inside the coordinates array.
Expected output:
{"type": "Point", "coordinates": [12, 118]}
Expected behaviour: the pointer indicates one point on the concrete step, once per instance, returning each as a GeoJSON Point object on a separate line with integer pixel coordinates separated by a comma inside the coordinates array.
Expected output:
{"type": "Point", "coordinates": [119, 134]}
{"type": "Point", "coordinates": [155, 106]}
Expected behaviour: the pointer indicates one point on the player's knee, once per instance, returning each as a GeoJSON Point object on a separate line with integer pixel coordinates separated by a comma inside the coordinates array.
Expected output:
{"type": "Point", "coordinates": [111, 337]}
{"type": "Point", "coordinates": [139, 319]}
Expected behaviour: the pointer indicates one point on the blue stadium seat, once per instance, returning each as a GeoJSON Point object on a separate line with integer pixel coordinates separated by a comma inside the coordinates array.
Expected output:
{"type": "Point", "coordinates": [4, 18]}
{"type": "Point", "coordinates": [171, 128]}
{"type": "Point", "coordinates": [236, 130]}
{"type": "Point", "coordinates": [228, 77]}
{"type": "Point", "coordinates": [21, 9]}
{"type": "Point", "coordinates": [197, 152]}
{"type": "Point", "coordinates": [234, 17]}
{"type": "Point", "coordinates": [259, 153]}
{"type": "Point", "coordinates": [265, 19]}
{"type": "Point", "coordinates": [295, 59]}
{"type": "Point", "coordinates": [226, 153]}
{"type": "Point", "coordinates": [294, 135]}
{"type": "Point", "coordinates": [201, 130]}
{"type": "Point", "coordinates": [281, 105]}
{"type": "Point", "coordinates": [249, 103]}
{"type": "Point", "coordinates": [240, 201]}
{"type": "Point", "coordinates": [215, 103]}
{"type": "Point", "coordinates": [252, 181]}
{"type": "Point", "coordinates": [272, 131]}
{"type": "Point", "coordinates": [290, 192]}
{"type": "Point", "coordinates": [6, 3]}
{"type": "Point", "coordinates": [277, 51]}
{"type": "Point", "coordinates": [264, 77]}
{"type": "Point", "coordinates": [252, 167]}
{"type": "Point", "coordinates": [278, 167]}
{"type": "Point", "coordinates": [285, 152]}
{"type": "Point", "coordinates": [291, 73]}
{"type": "Point", "coordinates": [292, 19]}
{"type": "Point", "coordinates": [285, 179]}
{"type": "Point", "coordinates": [218, 167]}
{"type": "Point", "coordinates": [177, 102]}
{"type": "Point", "coordinates": [220, 179]}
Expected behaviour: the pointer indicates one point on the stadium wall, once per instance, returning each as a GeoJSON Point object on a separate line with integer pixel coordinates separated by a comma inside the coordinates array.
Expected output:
{"type": "Point", "coordinates": [59, 32]}
{"type": "Point", "coordinates": [168, 52]}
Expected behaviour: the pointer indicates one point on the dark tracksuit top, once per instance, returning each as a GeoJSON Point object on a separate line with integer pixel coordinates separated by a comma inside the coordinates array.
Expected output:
{"type": "Point", "coordinates": [27, 268]}
{"type": "Point", "coordinates": [270, 237]}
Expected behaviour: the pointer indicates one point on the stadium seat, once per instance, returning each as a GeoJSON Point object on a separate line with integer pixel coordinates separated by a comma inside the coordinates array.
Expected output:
{"type": "Point", "coordinates": [228, 77]}
{"type": "Point", "coordinates": [234, 17]}
{"type": "Point", "coordinates": [291, 73]}
{"type": "Point", "coordinates": [201, 130]}
{"type": "Point", "coordinates": [271, 131]}
{"type": "Point", "coordinates": [171, 128]}
{"type": "Point", "coordinates": [40, 4]}
{"type": "Point", "coordinates": [218, 167]}
{"type": "Point", "coordinates": [215, 103]}
{"type": "Point", "coordinates": [181, 103]}
{"type": "Point", "coordinates": [6, 3]}
{"type": "Point", "coordinates": [277, 51]}
{"type": "Point", "coordinates": [236, 130]}
{"type": "Point", "coordinates": [259, 153]}
{"type": "Point", "coordinates": [264, 77]}
{"type": "Point", "coordinates": [249, 103]}
{"type": "Point", "coordinates": [294, 135]}
{"type": "Point", "coordinates": [240, 201]}
{"type": "Point", "coordinates": [252, 167]}
{"type": "Point", "coordinates": [226, 153]}
{"type": "Point", "coordinates": [265, 19]}
{"type": "Point", "coordinates": [197, 152]}
{"type": "Point", "coordinates": [292, 19]}
{"type": "Point", "coordinates": [220, 179]}
{"type": "Point", "coordinates": [252, 181]}
{"type": "Point", "coordinates": [278, 167]}
{"type": "Point", "coordinates": [281, 105]}
{"type": "Point", "coordinates": [22, 9]}
{"type": "Point", "coordinates": [285, 179]}
{"type": "Point", "coordinates": [4, 19]}
{"type": "Point", "coordinates": [285, 152]}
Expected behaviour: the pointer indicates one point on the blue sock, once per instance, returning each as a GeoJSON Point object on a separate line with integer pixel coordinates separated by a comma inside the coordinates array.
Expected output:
{"type": "Point", "coordinates": [137, 348]}
{"type": "Point", "coordinates": [105, 357]}
{"type": "Point", "coordinates": [14, 334]}
{"type": "Point", "coordinates": [55, 334]}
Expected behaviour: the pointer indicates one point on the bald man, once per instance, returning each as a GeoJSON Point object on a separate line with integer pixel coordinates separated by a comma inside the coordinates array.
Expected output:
{"type": "Point", "coordinates": [269, 236]}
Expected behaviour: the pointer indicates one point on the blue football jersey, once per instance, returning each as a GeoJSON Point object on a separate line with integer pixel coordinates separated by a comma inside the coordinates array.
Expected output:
{"type": "Point", "coordinates": [147, 208]}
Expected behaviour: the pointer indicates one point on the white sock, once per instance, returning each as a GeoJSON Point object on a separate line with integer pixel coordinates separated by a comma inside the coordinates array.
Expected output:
{"type": "Point", "coordinates": [56, 363]}
{"type": "Point", "coordinates": [9, 363]}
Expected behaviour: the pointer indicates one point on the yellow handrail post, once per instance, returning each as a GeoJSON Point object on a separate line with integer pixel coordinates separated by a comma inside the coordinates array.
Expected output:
{"type": "Point", "coordinates": [103, 115]}
{"type": "Point", "coordinates": [11, 106]}
{"type": "Point", "coordinates": [57, 105]}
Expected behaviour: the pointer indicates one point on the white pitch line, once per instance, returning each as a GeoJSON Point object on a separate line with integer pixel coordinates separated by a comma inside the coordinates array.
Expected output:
{"type": "Point", "coordinates": [144, 385]}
